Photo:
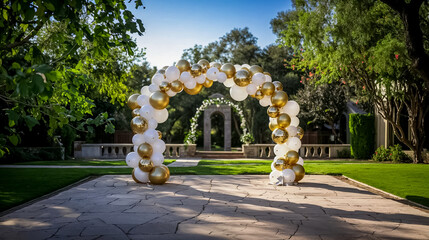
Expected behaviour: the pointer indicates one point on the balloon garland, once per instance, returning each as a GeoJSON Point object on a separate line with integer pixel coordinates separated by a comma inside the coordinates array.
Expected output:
{"type": "Point", "coordinates": [149, 109]}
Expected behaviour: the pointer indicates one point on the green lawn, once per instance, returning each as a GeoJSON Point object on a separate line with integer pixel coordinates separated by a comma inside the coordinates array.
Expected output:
{"type": "Point", "coordinates": [405, 180]}
{"type": "Point", "coordinates": [83, 163]}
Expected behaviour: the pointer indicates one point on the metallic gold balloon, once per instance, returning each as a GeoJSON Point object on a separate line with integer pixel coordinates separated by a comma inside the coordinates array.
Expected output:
{"type": "Point", "coordinates": [283, 120]}
{"type": "Point", "coordinates": [273, 126]}
{"type": "Point", "coordinates": [145, 165]}
{"type": "Point", "coordinates": [255, 69]}
{"type": "Point", "coordinates": [204, 64]}
{"type": "Point", "coordinates": [159, 100]}
{"type": "Point", "coordinates": [176, 86]}
{"type": "Point", "coordinates": [161, 71]}
{"type": "Point", "coordinates": [300, 132]}
{"type": "Point", "coordinates": [268, 88]}
{"type": "Point", "coordinates": [279, 164]}
{"type": "Point", "coordinates": [196, 70]}
{"type": "Point", "coordinates": [195, 90]}
{"type": "Point", "coordinates": [258, 94]}
{"type": "Point", "coordinates": [135, 112]}
{"type": "Point", "coordinates": [245, 68]}
{"type": "Point", "coordinates": [164, 86]}
{"type": "Point", "coordinates": [278, 85]}
{"type": "Point", "coordinates": [267, 73]}
{"type": "Point", "coordinates": [228, 69]}
{"type": "Point", "coordinates": [299, 172]}
{"type": "Point", "coordinates": [208, 83]}
{"type": "Point", "coordinates": [292, 157]}
{"type": "Point", "coordinates": [168, 171]}
{"type": "Point", "coordinates": [183, 65]}
{"type": "Point", "coordinates": [159, 134]}
{"type": "Point", "coordinates": [273, 112]}
{"type": "Point", "coordinates": [139, 124]}
{"type": "Point", "coordinates": [279, 135]}
{"type": "Point", "coordinates": [158, 175]}
{"type": "Point", "coordinates": [134, 177]}
{"type": "Point", "coordinates": [279, 98]}
{"type": "Point", "coordinates": [132, 101]}
{"type": "Point", "coordinates": [216, 65]}
{"type": "Point", "coordinates": [242, 78]}
{"type": "Point", "coordinates": [145, 150]}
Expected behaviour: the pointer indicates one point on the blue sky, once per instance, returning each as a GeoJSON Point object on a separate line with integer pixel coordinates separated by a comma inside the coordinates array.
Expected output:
{"type": "Point", "coordinates": [172, 26]}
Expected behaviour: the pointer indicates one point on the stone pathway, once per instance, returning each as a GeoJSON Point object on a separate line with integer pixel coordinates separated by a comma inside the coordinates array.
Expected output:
{"type": "Point", "coordinates": [185, 162]}
{"type": "Point", "coordinates": [216, 207]}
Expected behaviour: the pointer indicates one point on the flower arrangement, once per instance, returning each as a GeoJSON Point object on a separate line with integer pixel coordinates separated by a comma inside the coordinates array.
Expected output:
{"type": "Point", "coordinates": [247, 138]}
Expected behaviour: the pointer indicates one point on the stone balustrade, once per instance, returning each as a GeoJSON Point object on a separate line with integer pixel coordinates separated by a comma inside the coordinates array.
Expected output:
{"type": "Point", "coordinates": [306, 151]}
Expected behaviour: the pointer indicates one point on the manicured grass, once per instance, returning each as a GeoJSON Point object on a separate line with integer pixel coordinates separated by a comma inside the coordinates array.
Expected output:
{"type": "Point", "coordinates": [83, 163]}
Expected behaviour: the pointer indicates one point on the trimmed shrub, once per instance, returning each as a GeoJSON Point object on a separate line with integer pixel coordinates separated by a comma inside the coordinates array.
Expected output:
{"type": "Point", "coordinates": [345, 153]}
{"type": "Point", "coordinates": [362, 131]}
{"type": "Point", "coordinates": [393, 153]}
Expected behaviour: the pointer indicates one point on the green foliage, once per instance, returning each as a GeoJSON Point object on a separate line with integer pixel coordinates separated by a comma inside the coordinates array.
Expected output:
{"type": "Point", "coordinates": [345, 153]}
{"type": "Point", "coordinates": [362, 132]}
{"type": "Point", "coordinates": [247, 138]}
{"type": "Point", "coordinates": [22, 154]}
{"type": "Point", "coordinates": [393, 153]}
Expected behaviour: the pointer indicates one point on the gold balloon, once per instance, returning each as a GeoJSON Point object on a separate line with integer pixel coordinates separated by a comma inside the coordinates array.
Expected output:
{"type": "Point", "coordinates": [267, 73]}
{"type": "Point", "coordinates": [278, 85]}
{"type": "Point", "coordinates": [216, 65]}
{"type": "Point", "coordinates": [255, 69]}
{"type": "Point", "coordinates": [242, 78]}
{"type": "Point", "coordinates": [299, 172]}
{"type": "Point", "coordinates": [279, 135]}
{"type": "Point", "coordinates": [208, 83]}
{"type": "Point", "coordinates": [292, 157]}
{"type": "Point", "coordinates": [132, 101]}
{"type": "Point", "coordinates": [196, 70]}
{"type": "Point", "coordinates": [258, 94]}
{"type": "Point", "coordinates": [159, 134]}
{"type": "Point", "coordinates": [164, 86]}
{"type": "Point", "coordinates": [159, 100]}
{"type": "Point", "coordinates": [139, 124]}
{"type": "Point", "coordinates": [228, 69]}
{"type": "Point", "coordinates": [283, 120]}
{"type": "Point", "coordinates": [145, 165]}
{"type": "Point", "coordinates": [158, 175]}
{"type": "Point", "coordinates": [279, 164]}
{"type": "Point", "coordinates": [161, 71]}
{"type": "Point", "coordinates": [273, 126]}
{"type": "Point", "coordinates": [268, 88]}
{"type": "Point", "coordinates": [168, 171]}
{"type": "Point", "coordinates": [279, 98]}
{"type": "Point", "coordinates": [134, 177]}
{"type": "Point", "coordinates": [195, 90]}
{"type": "Point", "coordinates": [245, 68]}
{"type": "Point", "coordinates": [273, 112]}
{"type": "Point", "coordinates": [204, 64]}
{"type": "Point", "coordinates": [176, 86]}
{"type": "Point", "coordinates": [135, 112]}
{"type": "Point", "coordinates": [145, 150]}
{"type": "Point", "coordinates": [300, 132]}
{"type": "Point", "coordinates": [183, 65]}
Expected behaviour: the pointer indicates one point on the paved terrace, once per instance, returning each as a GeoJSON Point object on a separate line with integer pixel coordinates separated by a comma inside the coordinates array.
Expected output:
{"type": "Point", "coordinates": [216, 207]}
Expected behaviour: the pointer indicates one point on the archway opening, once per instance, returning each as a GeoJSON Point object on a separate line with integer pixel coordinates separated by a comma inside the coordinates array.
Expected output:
{"type": "Point", "coordinates": [217, 131]}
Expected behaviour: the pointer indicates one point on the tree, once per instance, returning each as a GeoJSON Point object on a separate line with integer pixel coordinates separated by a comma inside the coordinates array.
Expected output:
{"type": "Point", "coordinates": [361, 43]}
{"type": "Point", "coordinates": [55, 56]}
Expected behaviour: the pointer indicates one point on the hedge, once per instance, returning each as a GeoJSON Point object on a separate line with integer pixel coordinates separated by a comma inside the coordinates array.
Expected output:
{"type": "Point", "coordinates": [362, 132]}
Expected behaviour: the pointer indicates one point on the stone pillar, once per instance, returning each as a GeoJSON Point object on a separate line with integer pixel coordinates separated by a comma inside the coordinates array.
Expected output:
{"type": "Point", "coordinates": [207, 130]}
{"type": "Point", "coordinates": [227, 128]}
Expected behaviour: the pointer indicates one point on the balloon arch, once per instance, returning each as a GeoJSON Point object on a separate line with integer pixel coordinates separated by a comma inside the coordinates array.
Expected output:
{"type": "Point", "coordinates": [149, 109]}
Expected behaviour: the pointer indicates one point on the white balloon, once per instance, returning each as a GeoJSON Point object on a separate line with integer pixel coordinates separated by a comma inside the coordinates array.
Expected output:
{"type": "Point", "coordinates": [140, 175]}
{"type": "Point", "coordinates": [300, 161]}
{"type": "Point", "coordinates": [291, 108]}
{"type": "Point", "coordinates": [158, 78]}
{"type": "Point", "coordinates": [153, 88]}
{"type": "Point", "coordinates": [237, 67]}
{"type": "Point", "coordinates": [152, 124]}
{"type": "Point", "coordinates": [273, 120]}
{"type": "Point", "coordinates": [138, 139]}
{"type": "Point", "coordinates": [266, 101]}
{"type": "Point", "coordinates": [288, 175]}
{"type": "Point", "coordinates": [212, 73]}
{"type": "Point", "coordinates": [158, 146]}
{"type": "Point", "coordinates": [160, 115]}
{"type": "Point", "coordinates": [246, 66]}
{"type": "Point", "coordinates": [142, 100]}
{"type": "Point", "coordinates": [292, 131]}
{"type": "Point", "coordinates": [221, 77]}
{"type": "Point", "coordinates": [251, 88]}
{"type": "Point", "coordinates": [171, 93]}
{"type": "Point", "coordinates": [272, 166]}
{"type": "Point", "coordinates": [280, 150]}
{"type": "Point", "coordinates": [229, 82]}
{"type": "Point", "coordinates": [258, 79]}
{"type": "Point", "coordinates": [201, 79]}
{"type": "Point", "coordinates": [172, 73]}
{"type": "Point", "coordinates": [268, 78]}
{"type": "Point", "coordinates": [184, 77]}
{"type": "Point", "coordinates": [294, 143]}
{"type": "Point", "coordinates": [274, 177]}
{"type": "Point", "coordinates": [145, 91]}
{"type": "Point", "coordinates": [135, 147]}
{"type": "Point", "coordinates": [147, 111]}
{"type": "Point", "coordinates": [238, 93]}
{"type": "Point", "coordinates": [157, 158]}
{"type": "Point", "coordinates": [191, 83]}
{"type": "Point", "coordinates": [294, 121]}
{"type": "Point", "coordinates": [132, 159]}
{"type": "Point", "coordinates": [151, 135]}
